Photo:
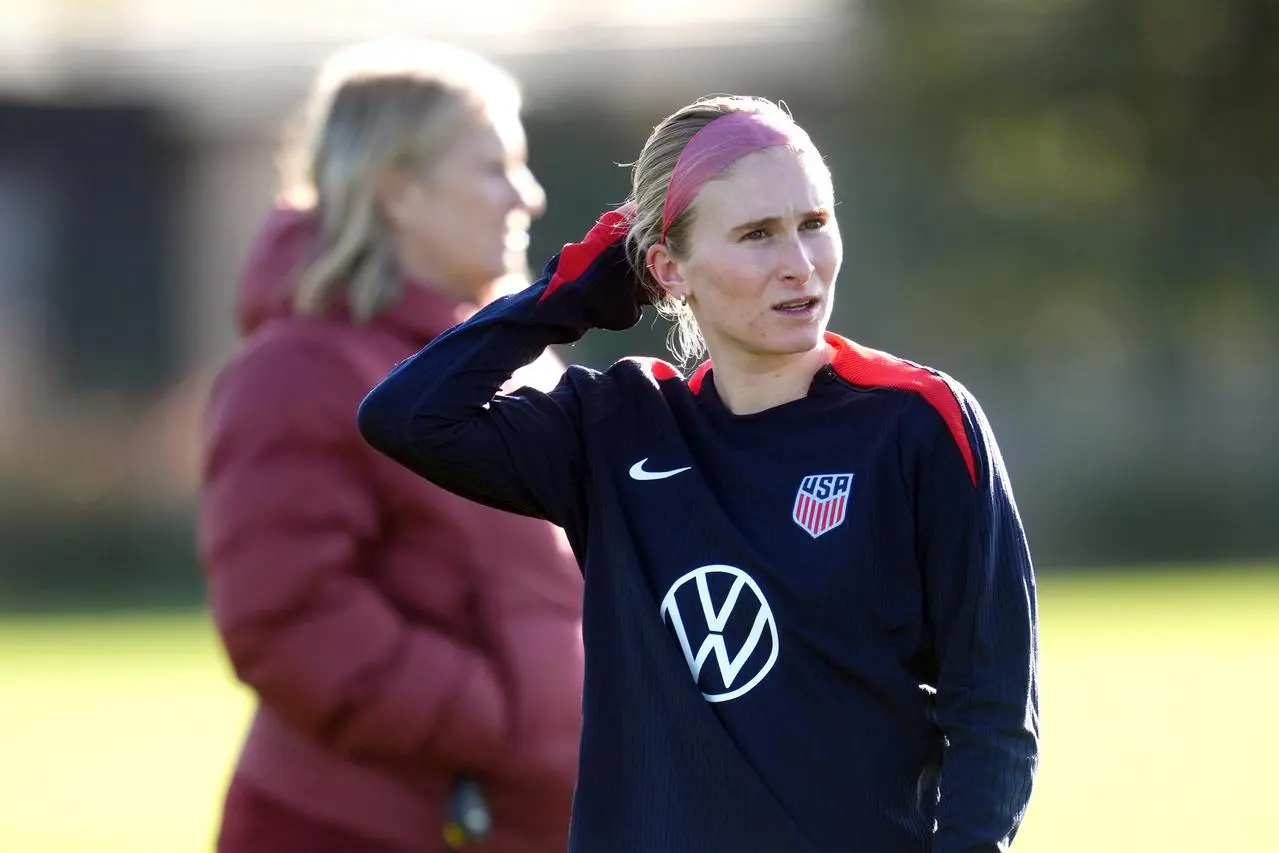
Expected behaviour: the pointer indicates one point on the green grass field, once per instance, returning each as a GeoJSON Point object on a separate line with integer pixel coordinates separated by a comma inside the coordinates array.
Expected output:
{"type": "Point", "coordinates": [1159, 706]}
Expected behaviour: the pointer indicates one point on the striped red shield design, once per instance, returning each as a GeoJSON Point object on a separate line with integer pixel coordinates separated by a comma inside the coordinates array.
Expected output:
{"type": "Point", "coordinates": [822, 502]}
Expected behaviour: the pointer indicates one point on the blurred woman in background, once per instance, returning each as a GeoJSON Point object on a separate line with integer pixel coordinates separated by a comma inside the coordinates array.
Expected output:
{"type": "Point", "coordinates": [397, 638]}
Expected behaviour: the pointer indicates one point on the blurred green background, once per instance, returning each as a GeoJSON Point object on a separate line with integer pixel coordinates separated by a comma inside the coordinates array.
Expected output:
{"type": "Point", "coordinates": [1070, 205]}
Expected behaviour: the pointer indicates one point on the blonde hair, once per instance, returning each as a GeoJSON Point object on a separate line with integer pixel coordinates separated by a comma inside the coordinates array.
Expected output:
{"type": "Point", "coordinates": [650, 176]}
{"type": "Point", "coordinates": [377, 106]}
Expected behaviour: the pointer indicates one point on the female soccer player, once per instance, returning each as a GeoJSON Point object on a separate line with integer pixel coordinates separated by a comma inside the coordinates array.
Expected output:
{"type": "Point", "coordinates": [810, 610]}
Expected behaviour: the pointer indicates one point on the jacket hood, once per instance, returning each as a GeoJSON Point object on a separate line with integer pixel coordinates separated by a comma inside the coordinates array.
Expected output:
{"type": "Point", "coordinates": [277, 255]}
{"type": "Point", "coordinates": [283, 246]}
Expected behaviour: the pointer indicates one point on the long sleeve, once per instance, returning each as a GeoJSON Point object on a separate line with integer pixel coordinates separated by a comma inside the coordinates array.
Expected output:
{"type": "Point", "coordinates": [981, 599]}
{"type": "Point", "coordinates": [440, 413]}
{"type": "Point", "coordinates": [288, 520]}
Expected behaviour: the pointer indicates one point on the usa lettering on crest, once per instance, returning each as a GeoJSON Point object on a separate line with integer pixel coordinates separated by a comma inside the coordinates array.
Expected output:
{"type": "Point", "coordinates": [822, 502]}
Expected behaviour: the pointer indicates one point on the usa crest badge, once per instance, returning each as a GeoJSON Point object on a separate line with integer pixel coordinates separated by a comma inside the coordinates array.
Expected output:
{"type": "Point", "coordinates": [822, 502]}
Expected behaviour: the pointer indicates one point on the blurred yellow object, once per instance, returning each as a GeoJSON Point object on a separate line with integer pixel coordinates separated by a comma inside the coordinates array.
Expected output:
{"type": "Point", "coordinates": [454, 836]}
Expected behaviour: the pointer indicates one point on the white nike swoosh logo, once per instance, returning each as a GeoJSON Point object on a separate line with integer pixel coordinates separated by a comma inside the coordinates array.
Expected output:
{"type": "Point", "coordinates": [638, 472]}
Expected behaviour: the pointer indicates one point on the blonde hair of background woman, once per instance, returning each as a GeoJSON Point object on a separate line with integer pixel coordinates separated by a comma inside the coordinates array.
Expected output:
{"type": "Point", "coordinates": [377, 106]}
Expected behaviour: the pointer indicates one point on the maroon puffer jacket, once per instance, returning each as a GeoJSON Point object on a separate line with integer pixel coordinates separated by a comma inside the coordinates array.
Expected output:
{"type": "Point", "coordinates": [395, 635]}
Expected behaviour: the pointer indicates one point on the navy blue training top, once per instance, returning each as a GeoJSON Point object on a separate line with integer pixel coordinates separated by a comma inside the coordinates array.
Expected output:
{"type": "Point", "coordinates": [812, 628]}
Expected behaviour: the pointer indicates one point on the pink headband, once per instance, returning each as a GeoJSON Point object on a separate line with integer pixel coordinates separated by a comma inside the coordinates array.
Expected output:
{"type": "Point", "coordinates": [718, 145]}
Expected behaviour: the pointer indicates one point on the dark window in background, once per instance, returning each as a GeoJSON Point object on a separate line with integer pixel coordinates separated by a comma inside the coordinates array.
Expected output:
{"type": "Point", "coordinates": [95, 182]}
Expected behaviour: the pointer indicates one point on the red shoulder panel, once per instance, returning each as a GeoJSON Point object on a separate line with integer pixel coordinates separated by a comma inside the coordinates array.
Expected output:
{"type": "Point", "coordinates": [661, 370]}
{"type": "Point", "coordinates": [864, 366]}
{"type": "Point", "coordinates": [695, 380]}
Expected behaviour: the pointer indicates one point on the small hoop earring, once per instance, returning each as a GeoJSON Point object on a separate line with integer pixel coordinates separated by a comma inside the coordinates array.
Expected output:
{"type": "Point", "coordinates": [683, 300]}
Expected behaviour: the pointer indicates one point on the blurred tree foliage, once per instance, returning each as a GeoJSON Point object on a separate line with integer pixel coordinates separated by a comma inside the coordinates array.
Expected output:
{"type": "Point", "coordinates": [1089, 193]}
{"type": "Point", "coordinates": [1120, 155]}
